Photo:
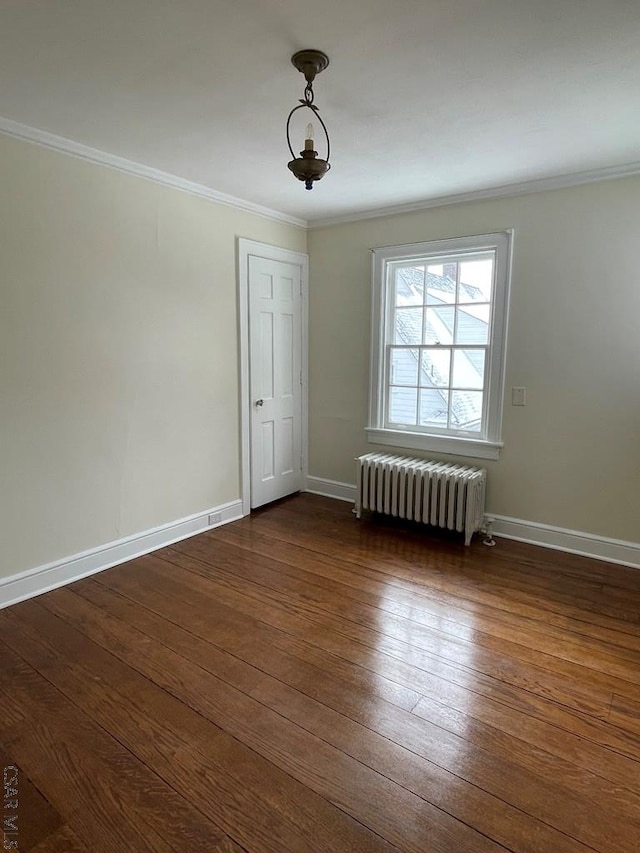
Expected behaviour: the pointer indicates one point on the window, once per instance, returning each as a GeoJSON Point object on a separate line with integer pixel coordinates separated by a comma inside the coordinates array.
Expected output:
{"type": "Point", "coordinates": [438, 344]}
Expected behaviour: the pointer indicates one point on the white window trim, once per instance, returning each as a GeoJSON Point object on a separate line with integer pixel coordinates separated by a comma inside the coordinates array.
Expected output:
{"type": "Point", "coordinates": [488, 445]}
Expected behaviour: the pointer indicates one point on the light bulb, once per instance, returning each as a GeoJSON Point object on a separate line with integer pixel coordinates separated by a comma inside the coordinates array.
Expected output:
{"type": "Point", "coordinates": [308, 142]}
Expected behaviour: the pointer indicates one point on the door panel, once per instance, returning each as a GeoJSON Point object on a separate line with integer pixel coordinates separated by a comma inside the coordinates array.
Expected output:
{"type": "Point", "coordinates": [275, 379]}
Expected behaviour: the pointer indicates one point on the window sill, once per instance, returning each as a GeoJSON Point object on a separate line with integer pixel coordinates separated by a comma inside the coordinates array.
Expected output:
{"type": "Point", "coordinates": [476, 448]}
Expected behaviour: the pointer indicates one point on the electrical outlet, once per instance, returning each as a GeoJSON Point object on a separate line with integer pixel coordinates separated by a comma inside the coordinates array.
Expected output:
{"type": "Point", "coordinates": [215, 517]}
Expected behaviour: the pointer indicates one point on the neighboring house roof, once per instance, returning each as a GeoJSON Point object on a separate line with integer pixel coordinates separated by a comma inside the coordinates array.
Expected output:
{"type": "Point", "coordinates": [410, 282]}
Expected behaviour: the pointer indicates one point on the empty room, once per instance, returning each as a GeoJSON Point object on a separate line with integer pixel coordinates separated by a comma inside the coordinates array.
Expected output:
{"type": "Point", "coordinates": [320, 426]}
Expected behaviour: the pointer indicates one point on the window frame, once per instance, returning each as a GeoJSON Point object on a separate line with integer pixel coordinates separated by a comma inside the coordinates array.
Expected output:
{"type": "Point", "coordinates": [486, 444]}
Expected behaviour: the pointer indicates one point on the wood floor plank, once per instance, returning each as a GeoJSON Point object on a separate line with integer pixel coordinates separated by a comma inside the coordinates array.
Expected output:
{"type": "Point", "coordinates": [425, 673]}
{"type": "Point", "coordinates": [378, 751]}
{"type": "Point", "coordinates": [228, 845]}
{"type": "Point", "coordinates": [401, 729]}
{"type": "Point", "coordinates": [224, 697]}
{"type": "Point", "coordinates": [610, 673]}
{"type": "Point", "coordinates": [531, 560]}
{"type": "Point", "coordinates": [67, 755]}
{"type": "Point", "coordinates": [506, 733]}
{"type": "Point", "coordinates": [62, 841]}
{"type": "Point", "coordinates": [401, 553]}
{"type": "Point", "coordinates": [454, 664]}
{"type": "Point", "coordinates": [530, 739]}
{"type": "Point", "coordinates": [449, 613]}
{"type": "Point", "coordinates": [300, 681]}
{"type": "Point", "coordinates": [69, 764]}
{"type": "Point", "coordinates": [515, 567]}
{"type": "Point", "coordinates": [259, 806]}
{"type": "Point", "coordinates": [625, 713]}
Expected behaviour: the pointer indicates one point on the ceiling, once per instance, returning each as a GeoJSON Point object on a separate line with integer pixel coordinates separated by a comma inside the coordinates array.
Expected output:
{"type": "Point", "coordinates": [423, 99]}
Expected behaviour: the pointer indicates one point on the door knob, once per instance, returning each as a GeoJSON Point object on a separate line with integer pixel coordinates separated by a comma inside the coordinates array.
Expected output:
{"type": "Point", "coordinates": [259, 402]}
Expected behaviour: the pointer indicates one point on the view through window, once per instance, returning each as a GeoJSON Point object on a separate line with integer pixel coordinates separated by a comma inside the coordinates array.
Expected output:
{"type": "Point", "coordinates": [438, 348]}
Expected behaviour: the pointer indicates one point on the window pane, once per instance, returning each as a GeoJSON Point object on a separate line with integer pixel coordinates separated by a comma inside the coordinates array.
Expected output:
{"type": "Point", "coordinates": [476, 280]}
{"type": "Point", "coordinates": [466, 410]}
{"type": "Point", "coordinates": [409, 286]}
{"type": "Point", "coordinates": [433, 408]}
{"type": "Point", "coordinates": [441, 284]}
{"type": "Point", "coordinates": [468, 368]}
{"type": "Point", "coordinates": [435, 366]}
{"type": "Point", "coordinates": [473, 324]}
{"type": "Point", "coordinates": [404, 367]}
{"type": "Point", "coordinates": [403, 405]}
{"type": "Point", "coordinates": [438, 325]}
{"type": "Point", "coordinates": [407, 326]}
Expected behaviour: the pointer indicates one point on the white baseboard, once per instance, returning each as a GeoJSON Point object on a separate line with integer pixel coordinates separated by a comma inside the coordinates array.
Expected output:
{"type": "Point", "coordinates": [33, 582]}
{"type": "Point", "coordinates": [331, 489]}
{"type": "Point", "coordinates": [572, 541]}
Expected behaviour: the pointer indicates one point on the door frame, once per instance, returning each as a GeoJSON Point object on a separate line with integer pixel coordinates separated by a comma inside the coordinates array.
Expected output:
{"type": "Point", "coordinates": [252, 248]}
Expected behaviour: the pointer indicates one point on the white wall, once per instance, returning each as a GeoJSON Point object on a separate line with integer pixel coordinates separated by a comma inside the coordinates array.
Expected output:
{"type": "Point", "coordinates": [572, 455]}
{"type": "Point", "coordinates": [118, 353]}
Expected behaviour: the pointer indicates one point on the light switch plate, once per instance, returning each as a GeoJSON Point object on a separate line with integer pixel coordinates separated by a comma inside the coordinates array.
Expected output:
{"type": "Point", "coordinates": [518, 396]}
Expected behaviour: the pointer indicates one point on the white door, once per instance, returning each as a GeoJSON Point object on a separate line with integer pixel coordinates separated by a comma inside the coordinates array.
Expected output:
{"type": "Point", "coordinates": [275, 379]}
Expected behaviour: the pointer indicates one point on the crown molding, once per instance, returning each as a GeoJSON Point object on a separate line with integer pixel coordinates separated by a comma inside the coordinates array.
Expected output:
{"type": "Point", "coordinates": [507, 190]}
{"type": "Point", "coordinates": [26, 133]}
{"type": "Point", "coordinates": [103, 158]}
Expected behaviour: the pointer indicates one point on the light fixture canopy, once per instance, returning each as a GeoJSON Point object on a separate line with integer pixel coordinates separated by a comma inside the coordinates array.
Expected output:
{"type": "Point", "coordinates": [308, 167]}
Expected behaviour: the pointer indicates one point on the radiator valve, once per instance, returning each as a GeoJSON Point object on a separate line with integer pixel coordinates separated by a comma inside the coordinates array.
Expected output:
{"type": "Point", "coordinates": [488, 540]}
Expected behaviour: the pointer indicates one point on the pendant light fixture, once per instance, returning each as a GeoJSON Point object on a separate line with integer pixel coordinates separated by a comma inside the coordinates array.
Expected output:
{"type": "Point", "coordinates": [308, 167]}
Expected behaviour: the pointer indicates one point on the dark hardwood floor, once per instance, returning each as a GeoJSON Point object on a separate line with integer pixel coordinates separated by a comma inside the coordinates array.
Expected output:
{"type": "Point", "coordinates": [302, 681]}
